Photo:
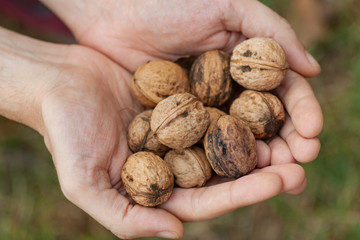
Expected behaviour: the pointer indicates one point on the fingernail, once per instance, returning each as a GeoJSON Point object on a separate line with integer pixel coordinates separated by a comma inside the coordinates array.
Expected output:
{"type": "Point", "coordinates": [171, 235]}
{"type": "Point", "coordinates": [311, 59]}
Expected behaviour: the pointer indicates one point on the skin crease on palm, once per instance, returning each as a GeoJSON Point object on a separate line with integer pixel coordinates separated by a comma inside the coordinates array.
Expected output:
{"type": "Point", "coordinates": [83, 104]}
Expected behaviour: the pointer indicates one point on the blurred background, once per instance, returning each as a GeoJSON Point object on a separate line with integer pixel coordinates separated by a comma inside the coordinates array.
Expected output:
{"type": "Point", "coordinates": [33, 207]}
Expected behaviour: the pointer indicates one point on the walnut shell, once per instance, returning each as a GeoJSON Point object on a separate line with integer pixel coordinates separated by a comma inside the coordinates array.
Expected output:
{"type": "Point", "coordinates": [214, 113]}
{"type": "Point", "coordinates": [141, 138]}
{"type": "Point", "coordinates": [259, 64]}
{"type": "Point", "coordinates": [263, 112]}
{"type": "Point", "coordinates": [179, 121]}
{"type": "Point", "coordinates": [230, 147]}
{"type": "Point", "coordinates": [156, 80]}
{"type": "Point", "coordinates": [210, 79]}
{"type": "Point", "coordinates": [147, 179]}
{"type": "Point", "coordinates": [190, 167]}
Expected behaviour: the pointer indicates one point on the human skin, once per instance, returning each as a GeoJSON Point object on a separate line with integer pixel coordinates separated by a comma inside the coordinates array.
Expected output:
{"type": "Point", "coordinates": [143, 30]}
{"type": "Point", "coordinates": [80, 101]}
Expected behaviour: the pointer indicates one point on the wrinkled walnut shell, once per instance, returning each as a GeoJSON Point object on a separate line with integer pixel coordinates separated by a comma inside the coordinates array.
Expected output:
{"type": "Point", "coordinates": [190, 167]}
{"type": "Point", "coordinates": [263, 112]}
{"type": "Point", "coordinates": [230, 147]}
{"type": "Point", "coordinates": [179, 121]}
{"type": "Point", "coordinates": [210, 79]}
{"type": "Point", "coordinates": [147, 179]}
{"type": "Point", "coordinates": [259, 64]}
{"type": "Point", "coordinates": [156, 80]}
{"type": "Point", "coordinates": [141, 138]}
{"type": "Point", "coordinates": [214, 113]}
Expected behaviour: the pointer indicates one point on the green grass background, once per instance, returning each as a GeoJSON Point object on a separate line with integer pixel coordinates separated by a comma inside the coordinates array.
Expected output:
{"type": "Point", "coordinates": [33, 207]}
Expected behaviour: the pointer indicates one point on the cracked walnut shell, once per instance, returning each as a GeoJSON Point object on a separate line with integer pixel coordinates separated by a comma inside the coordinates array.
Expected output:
{"type": "Point", "coordinates": [141, 138]}
{"type": "Point", "coordinates": [230, 147]}
{"type": "Point", "coordinates": [263, 112]}
{"type": "Point", "coordinates": [258, 64]}
{"type": "Point", "coordinates": [156, 80]}
{"type": "Point", "coordinates": [210, 79]}
{"type": "Point", "coordinates": [190, 167]}
{"type": "Point", "coordinates": [179, 121]}
{"type": "Point", "coordinates": [147, 179]}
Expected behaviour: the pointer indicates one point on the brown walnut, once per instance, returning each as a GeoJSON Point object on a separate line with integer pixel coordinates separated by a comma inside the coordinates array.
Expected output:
{"type": "Point", "coordinates": [141, 138]}
{"type": "Point", "coordinates": [214, 113]}
{"type": "Point", "coordinates": [230, 147]}
{"type": "Point", "coordinates": [190, 167]}
{"type": "Point", "coordinates": [210, 79]}
{"type": "Point", "coordinates": [156, 80]}
{"type": "Point", "coordinates": [147, 179]}
{"type": "Point", "coordinates": [263, 112]}
{"type": "Point", "coordinates": [259, 64]}
{"type": "Point", "coordinates": [179, 121]}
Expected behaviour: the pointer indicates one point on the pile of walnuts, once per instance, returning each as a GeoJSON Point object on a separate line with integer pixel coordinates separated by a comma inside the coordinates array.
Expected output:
{"type": "Point", "coordinates": [188, 135]}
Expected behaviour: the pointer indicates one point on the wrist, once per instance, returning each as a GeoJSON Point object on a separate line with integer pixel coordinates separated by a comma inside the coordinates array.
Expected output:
{"type": "Point", "coordinates": [26, 74]}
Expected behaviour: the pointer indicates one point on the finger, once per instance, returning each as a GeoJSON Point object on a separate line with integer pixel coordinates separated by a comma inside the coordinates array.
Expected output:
{"type": "Point", "coordinates": [303, 149]}
{"type": "Point", "coordinates": [254, 19]}
{"type": "Point", "coordinates": [299, 189]}
{"type": "Point", "coordinates": [280, 152]}
{"type": "Point", "coordinates": [263, 154]}
{"type": "Point", "coordinates": [285, 171]}
{"type": "Point", "coordinates": [115, 212]}
{"type": "Point", "coordinates": [209, 202]}
{"type": "Point", "coordinates": [292, 175]}
{"type": "Point", "coordinates": [301, 104]}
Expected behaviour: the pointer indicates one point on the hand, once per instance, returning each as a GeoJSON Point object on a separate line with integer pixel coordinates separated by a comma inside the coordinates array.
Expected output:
{"type": "Point", "coordinates": [134, 32]}
{"type": "Point", "coordinates": [84, 106]}
{"type": "Point", "coordinates": [86, 135]}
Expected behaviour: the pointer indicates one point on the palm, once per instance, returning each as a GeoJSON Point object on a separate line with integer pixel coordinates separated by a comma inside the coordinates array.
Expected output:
{"type": "Point", "coordinates": [85, 120]}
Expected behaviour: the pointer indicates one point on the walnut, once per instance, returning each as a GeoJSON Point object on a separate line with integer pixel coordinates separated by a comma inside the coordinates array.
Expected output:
{"type": "Point", "coordinates": [210, 79]}
{"type": "Point", "coordinates": [147, 179]}
{"type": "Point", "coordinates": [259, 64]}
{"type": "Point", "coordinates": [141, 138]}
{"type": "Point", "coordinates": [179, 121]}
{"type": "Point", "coordinates": [214, 113]}
{"type": "Point", "coordinates": [230, 147]}
{"type": "Point", "coordinates": [190, 167]}
{"type": "Point", "coordinates": [262, 111]}
{"type": "Point", "coordinates": [156, 80]}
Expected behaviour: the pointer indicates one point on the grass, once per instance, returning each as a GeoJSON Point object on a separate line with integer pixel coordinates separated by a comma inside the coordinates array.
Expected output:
{"type": "Point", "coordinates": [33, 207]}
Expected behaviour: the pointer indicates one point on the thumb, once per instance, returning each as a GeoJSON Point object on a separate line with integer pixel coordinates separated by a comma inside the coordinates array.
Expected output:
{"type": "Point", "coordinates": [254, 19]}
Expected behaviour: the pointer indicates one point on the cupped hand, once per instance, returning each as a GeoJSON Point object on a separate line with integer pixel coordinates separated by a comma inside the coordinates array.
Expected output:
{"type": "Point", "coordinates": [134, 32]}
{"type": "Point", "coordinates": [85, 115]}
